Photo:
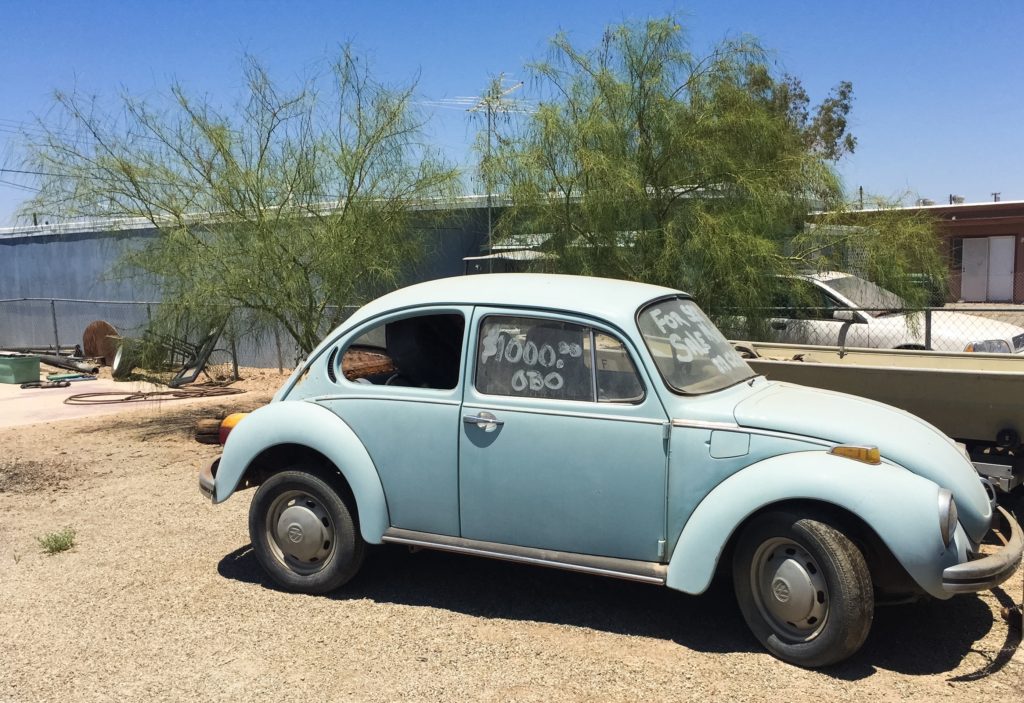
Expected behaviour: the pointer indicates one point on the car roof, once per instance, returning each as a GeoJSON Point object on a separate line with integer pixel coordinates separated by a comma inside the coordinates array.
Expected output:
{"type": "Point", "coordinates": [824, 275]}
{"type": "Point", "coordinates": [606, 298]}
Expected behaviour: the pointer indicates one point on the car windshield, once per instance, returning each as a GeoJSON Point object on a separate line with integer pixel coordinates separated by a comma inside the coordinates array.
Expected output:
{"type": "Point", "coordinates": [875, 300]}
{"type": "Point", "coordinates": [690, 353]}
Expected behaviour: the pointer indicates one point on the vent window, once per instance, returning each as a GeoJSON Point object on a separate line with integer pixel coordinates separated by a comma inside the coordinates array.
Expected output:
{"type": "Point", "coordinates": [330, 365]}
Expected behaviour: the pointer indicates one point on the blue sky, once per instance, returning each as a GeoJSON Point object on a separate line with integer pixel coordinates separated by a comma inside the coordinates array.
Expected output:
{"type": "Point", "coordinates": [939, 86]}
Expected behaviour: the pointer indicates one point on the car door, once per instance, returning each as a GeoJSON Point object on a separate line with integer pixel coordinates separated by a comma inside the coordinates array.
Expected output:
{"type": "Point", "coordinates": [554, 454]}
{"type": "Point", "coordinates": [399, 389]}
{"type": "Point", "coordinates": [810, 314]}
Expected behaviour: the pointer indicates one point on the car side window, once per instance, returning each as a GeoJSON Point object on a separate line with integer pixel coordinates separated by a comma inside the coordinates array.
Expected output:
{"type": "Point", "coordinates": [540, 358]}
{"type": "Point", "coordinates": [822, 305]}
{"type": "Point", "coordinates": [617, 379]}
{"type": "Point", "coordinates": [805, 301]}
{"type": "Point", "coordinates": [423, 351]}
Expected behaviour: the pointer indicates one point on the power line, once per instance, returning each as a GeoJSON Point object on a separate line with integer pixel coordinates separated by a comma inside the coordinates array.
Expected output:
{"type": "Point", "coordinates": [29, 173]}
{"type": "Point", "coordinates": [41, 130]}
{"type": "Point", "coordinates": [19, 186]}
{"type": "Point", "coordinates": [88, 178]}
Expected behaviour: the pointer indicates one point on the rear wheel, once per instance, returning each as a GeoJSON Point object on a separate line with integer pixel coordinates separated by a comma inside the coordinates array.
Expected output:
{"type": "Point", "coordinates": [804, 589]}
{"type": "Point", "coordinates": [304, 533]}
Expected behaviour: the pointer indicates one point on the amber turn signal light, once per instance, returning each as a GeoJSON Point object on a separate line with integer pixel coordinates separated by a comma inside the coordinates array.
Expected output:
{"type": "Point", "coordinates": [228, 424]}
{"type": "Point", "coordinates": [868, 455]}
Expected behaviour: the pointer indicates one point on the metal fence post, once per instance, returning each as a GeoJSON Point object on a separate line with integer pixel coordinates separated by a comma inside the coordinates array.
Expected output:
{"type": "Point", "coordinates": [928, 328]}
{"type": "Point", "coordinates": [56, 339]}
{"type": "Point", "coordinates": [234, 358]}
{"type": "Point", "coordinates": [277, 343]}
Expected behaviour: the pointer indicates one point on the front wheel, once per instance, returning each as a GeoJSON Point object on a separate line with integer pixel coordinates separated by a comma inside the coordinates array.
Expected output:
{"type": "Point", "coordinates": [303, 533]}
{"type": "Point", "coordinates": [804, 589]}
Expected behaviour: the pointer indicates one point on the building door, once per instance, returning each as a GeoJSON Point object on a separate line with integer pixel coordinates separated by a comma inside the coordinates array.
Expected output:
{"type": "Point", "coordinates": [974, 269]}
{"type": "Point", "coordinates": [1000, 269]}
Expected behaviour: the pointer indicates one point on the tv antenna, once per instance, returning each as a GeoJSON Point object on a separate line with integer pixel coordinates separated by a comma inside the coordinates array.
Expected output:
{"type": "Point", "coordinates": [493, 102]}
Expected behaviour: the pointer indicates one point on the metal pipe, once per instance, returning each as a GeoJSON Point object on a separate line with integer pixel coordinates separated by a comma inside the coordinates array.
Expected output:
{"type": "Point", "coordinates": [62, 362]}
{"type": "Point", "coordinates": [65, 351]}
{"type": "Point", "coordinates": [86, 300]}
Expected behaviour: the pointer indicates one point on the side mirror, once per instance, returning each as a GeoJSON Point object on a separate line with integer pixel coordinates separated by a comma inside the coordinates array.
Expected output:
{"type": "Point", "coordinates": [844, 315]}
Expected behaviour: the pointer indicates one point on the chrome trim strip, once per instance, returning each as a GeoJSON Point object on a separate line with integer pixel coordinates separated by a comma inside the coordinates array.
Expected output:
{"type": "Point", "coordinates": [207, 480]}
{"type": "Point", "coordinates": [562, 413]}
{"type": "Point", "coordinates": [706, 424]}
{"type": "Point", "coordinates": [641, 571]}
{"type": "Point", "coordinates": [405, 398]}
{"type": "Point", "coordinates": [730, 427]}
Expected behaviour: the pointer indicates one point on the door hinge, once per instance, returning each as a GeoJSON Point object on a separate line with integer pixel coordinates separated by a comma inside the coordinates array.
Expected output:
{"type": "Point", "coordinates": [661, 549]}
{"type": "Point", "coordinates": [666, 430]}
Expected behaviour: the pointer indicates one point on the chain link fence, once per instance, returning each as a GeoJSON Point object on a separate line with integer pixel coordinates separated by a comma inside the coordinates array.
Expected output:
{"type": "Point", "coordinates": [954, 328]}
{"type": "Point", "coordinates": [1001, 288]}
{"type": "Point", "coordinates": [52, 323]}
{"type": "Point", "coordinates": [59, 323]}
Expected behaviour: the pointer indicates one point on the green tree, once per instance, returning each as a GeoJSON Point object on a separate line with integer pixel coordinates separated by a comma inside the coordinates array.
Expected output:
{"type": "Point", "coordinates": [291, 204]}
{"type": "Point", "coordinates": [644, 161]}
{"type": "Point", "coordinates": [897, 248]}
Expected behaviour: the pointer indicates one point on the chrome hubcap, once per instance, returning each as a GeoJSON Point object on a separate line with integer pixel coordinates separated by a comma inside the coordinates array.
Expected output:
{"type": "Point", "coordinates": [300, 532]}
{"type": "Point", "coordinates": [789, 589]}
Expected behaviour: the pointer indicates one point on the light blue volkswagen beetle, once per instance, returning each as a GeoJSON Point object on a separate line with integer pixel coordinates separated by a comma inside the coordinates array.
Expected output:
{"type": "Point", "coordinates": [606, 427]}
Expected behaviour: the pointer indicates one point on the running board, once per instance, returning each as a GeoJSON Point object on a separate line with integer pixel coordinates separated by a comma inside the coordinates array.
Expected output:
{"type": "Point", "coordinates": [643, 571]}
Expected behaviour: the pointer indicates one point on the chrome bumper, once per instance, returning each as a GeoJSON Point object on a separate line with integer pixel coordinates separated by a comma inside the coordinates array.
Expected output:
{"type": "Point", "coordinates": [991, 570]}
{"type": "Point", "coordinates": [207, 477]}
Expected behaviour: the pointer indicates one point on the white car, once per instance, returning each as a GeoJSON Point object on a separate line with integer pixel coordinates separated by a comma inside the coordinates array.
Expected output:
{"type": "Point", "coordinates": [841, 309]}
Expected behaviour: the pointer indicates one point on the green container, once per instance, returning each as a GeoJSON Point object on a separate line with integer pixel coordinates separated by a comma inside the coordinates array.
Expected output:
{"type": "Point", "coordinates": [19, 369]}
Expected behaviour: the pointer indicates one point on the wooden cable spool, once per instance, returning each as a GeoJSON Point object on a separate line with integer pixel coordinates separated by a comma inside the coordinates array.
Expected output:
{"type": "Point", "coordinates": [100, 341]}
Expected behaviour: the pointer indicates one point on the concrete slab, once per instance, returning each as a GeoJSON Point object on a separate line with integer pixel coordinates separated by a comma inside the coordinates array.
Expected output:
{"type": "Point", "coordinates": [31, 405]}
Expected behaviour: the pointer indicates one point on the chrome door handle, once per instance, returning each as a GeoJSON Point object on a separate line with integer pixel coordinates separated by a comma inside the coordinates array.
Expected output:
{"type": "Point", "coordinates": [484, 420]}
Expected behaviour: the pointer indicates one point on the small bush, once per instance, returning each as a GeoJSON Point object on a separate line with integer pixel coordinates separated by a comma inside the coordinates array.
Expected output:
{"type": "Point", "coordinates": [57, 542]}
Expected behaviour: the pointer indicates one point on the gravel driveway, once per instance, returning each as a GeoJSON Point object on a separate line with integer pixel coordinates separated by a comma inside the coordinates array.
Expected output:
{"type": "Point", "coordinates": [162, 599]}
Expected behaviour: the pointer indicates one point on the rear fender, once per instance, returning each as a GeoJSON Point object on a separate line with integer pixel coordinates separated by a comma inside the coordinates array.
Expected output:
{"type": "Point", "coordinates": [901, 507]}
{"type": "Point", "coordinates": [310, 425]}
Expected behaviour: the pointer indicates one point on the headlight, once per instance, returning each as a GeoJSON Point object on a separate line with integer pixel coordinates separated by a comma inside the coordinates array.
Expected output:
{"type": "Point", "coordinates": [989, 346]}
{"type": "Point", "coordinates": [947, 516]}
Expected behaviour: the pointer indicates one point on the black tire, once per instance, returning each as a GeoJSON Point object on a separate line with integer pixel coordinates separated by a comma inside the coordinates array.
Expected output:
{"type": "Point", "coordinates": [304, 533]}
{"type": "Point", "coordinates": [804, 589]}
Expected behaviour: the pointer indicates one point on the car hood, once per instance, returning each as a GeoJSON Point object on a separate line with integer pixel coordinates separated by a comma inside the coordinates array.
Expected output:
{"type": "Point", "coordinates": [902, 438]}
{"type": "Point", "coordinates": [952, 330]}
{"type": "Point", "coordinates": [972, 327]}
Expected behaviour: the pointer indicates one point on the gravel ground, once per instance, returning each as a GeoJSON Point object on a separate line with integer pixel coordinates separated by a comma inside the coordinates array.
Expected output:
{"type": "Point", "coordinates": [162, 599]}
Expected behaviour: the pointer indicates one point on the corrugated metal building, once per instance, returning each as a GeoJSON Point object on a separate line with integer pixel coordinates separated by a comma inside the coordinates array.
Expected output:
{"type": "Point", "coordinates": [56, 279]}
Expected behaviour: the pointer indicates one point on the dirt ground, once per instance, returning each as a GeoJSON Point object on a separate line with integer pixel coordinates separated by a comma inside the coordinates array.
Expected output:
{"type": "Point", "coordinates": [162, 599]}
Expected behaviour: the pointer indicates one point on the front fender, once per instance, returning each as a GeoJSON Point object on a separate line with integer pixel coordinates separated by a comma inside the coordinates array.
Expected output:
{"type": "Point", "coordinates": [313, 426]}
{"type": "Point", "coordinates": [901, 507]}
